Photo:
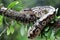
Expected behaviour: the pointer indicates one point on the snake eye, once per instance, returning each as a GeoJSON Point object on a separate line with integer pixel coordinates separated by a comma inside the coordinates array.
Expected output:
{"type": "Point", "coordinates": [44, 23]}
{"type": "Point", "coordinates": [37, 31]}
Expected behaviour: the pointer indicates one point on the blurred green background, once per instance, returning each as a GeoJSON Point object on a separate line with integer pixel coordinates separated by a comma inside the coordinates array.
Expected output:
{"type": "Point", "coordinates": [18, 30]}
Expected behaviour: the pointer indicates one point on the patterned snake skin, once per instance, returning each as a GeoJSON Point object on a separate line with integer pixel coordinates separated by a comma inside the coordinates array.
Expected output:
{"type": "Point", "coordinates": [47, 14]}
{"type": "Point", "coordinates": [43, 15]}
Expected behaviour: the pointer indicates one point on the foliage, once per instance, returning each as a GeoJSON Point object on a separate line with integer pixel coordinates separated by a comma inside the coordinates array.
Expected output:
{"type": "Point", "coordinates": [12, 4]}
{"type": "Point", "coordinates": [18, 30]}
{"type": "Point", "coordinates": [1, 18]}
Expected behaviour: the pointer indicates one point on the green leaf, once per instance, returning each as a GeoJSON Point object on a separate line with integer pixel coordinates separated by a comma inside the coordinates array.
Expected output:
{"type": "Point", "coordinates": [8, 31]}
{"type": "Point", "coordinates": [19, 6]}
{"type": "Point", "coordinates": [1, 19]}
{"type": "Point", "coordinates": [22, 30]}
{"type": "Point", "coordinates": [48, 34]}
{"type": "Point", "coordinates": [58, 33]}
{"type": "Point", "coordinates": [11, 29]}
{"type": "Point", "coordinates": [52, 37]}
{"type": "Point", "coordinates": [17, 26]}
{"type": "Point", "coordinates": [12, 4]}
{"type": "Point", "coordinates": [58, 17]}
{"type": "Point", "coordinates": [46, 29]}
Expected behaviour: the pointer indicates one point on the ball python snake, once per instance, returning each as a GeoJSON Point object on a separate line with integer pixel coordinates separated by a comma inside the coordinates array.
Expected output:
{"type": "Point", "coordinates": [36, 29]}
{"type": "Point", "coordinates": [40, 14]}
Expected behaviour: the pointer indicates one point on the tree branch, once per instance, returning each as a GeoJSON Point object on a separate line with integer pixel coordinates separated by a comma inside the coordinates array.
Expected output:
{"type": "Point", "coordinates": [24, 15]}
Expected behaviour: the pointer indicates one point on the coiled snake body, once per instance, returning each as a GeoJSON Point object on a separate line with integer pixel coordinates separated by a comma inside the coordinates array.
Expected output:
{"type": "Point", "coordinates": [43, 14]}
{"type": "Point", "coordinates": [48, 13]}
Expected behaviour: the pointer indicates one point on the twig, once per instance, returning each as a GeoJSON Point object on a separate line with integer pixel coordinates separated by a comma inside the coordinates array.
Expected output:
{"type": "Point", "coordinates": [3, 31]}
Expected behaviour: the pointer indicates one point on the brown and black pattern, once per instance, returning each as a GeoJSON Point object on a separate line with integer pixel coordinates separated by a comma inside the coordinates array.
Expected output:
{"type": "Point", "coordinates": [43, 15]}
{"type": "Point", "coordinates": [36, 29]}
{"type": "Point", "coordinates": [25, 15]}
